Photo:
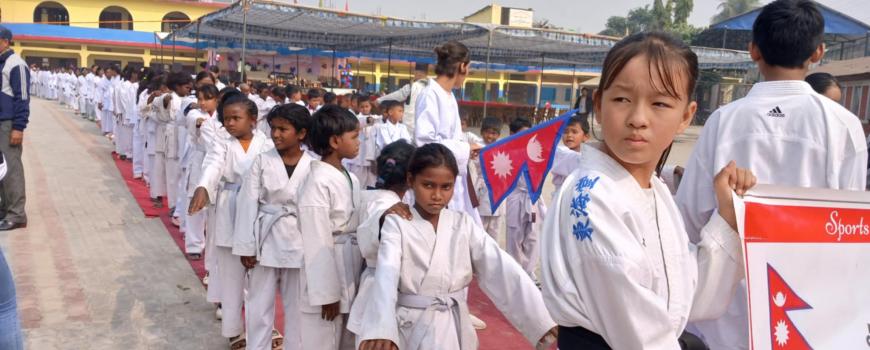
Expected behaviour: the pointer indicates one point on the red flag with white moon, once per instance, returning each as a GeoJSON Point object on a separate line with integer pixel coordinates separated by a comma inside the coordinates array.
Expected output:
{"type": "Point", "coordinates": [528, 154]}
{"type": "Point", "coordinates": [783, 333]}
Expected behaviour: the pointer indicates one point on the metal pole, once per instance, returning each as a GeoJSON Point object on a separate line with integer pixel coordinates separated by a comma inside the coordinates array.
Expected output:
{"type": "Point", "coordinates": [867, 44]}
{"type": "Point", "coordinates": [724, 36]}
{"type": "Point", "coordinates": [196, 48]}
{"type": "Point", "coordinates": [244, 35]}
{"type": "Point", "coordinates": [298, 72]}
{"type": "Point", "coordinates": [486, 74]}
{"type": "Point", "coordinates": [173, 52]}
{"type": "Point", "coordinates": [540, 86]}
{"type": "Point", "coordinates": [356, 77]}
{"type": "Point", "coordinates": [389, 67]}
{"type": "Point", "coordinates": [331, 84]}
{"type": "Point", "coordinates": [574, 84]}
{"type": "Point", "coordinates": [842, 49]}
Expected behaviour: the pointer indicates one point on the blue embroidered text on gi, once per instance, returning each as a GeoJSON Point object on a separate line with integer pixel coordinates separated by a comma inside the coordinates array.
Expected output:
{"type": "Point", "coordinates": [583, 227]}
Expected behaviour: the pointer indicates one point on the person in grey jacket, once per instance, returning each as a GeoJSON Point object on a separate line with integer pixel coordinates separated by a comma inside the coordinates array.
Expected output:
{"type": "Point", "coordinates": [14, 113]}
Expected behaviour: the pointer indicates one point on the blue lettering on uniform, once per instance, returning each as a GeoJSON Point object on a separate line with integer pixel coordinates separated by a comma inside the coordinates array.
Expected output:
{"type": "Point", "coordinates": [582, 228]}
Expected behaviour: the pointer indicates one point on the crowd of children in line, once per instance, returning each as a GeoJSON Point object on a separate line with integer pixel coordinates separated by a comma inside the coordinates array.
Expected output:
{"type": "Point", "coordinates": [371, 231]}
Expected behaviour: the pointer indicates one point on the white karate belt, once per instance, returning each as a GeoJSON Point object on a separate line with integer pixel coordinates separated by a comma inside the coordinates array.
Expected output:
{"type": "Point", "coordinates": [453, 302]}
{"type": "Point", "coordinates": [269, 215]}
{"type": "Point", "coordinates": [347, 243]}
{"type": "Point", "coordinates": [234, 189]}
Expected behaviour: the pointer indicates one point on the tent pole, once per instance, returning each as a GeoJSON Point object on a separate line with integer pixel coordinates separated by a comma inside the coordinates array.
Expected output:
{"type": "Point", "coordinates": [298, 72]}
{"type": "Point", "coordinates": [196, 48]}
{"type": "Point", "coordinates": [244, 36]}
{"type": "Point", "coordinates": [389, 67]}
{"type": "Point", "coordinates": [574, 83]}
{"type": "Point", "coordinates": [540, 86]}
{"type": "Point", "coordinates": [173, 52]}
{"type": "Point", "coordinates": [486, 74]}
{"type": "Point", "coordinates": [332, 86]}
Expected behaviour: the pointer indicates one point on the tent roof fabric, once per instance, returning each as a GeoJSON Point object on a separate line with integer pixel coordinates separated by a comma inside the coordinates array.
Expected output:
{"type": "Point", "coordinates": [289, 29]}
{"type": "Point", "coordinates": [836, 23]}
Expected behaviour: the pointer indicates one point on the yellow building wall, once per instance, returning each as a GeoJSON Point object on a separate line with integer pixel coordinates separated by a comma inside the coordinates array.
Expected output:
{"type": "Point", "coordinates": [490, 15]}
{"type": "Point", "coordinates": [147, 15]}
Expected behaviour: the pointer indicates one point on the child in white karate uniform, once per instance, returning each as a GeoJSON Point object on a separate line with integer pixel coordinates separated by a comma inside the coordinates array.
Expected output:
{"type": "Point", "coordinates": [618, 270]}
{"type": "Point", "coordinates": [567, 157]}
{"type": "Point", "coordinates": [385, 199]}
{"type": "Point", "coordinates": [195, 224]}
{"type": "Point", "coordinates": [329, 203]}
{"type": "Point", "coordinates": [219, 185]}
{"type": "Point", "coordinates": [490, 130]}
{"type": "Point", "coordinates": [362, 164]}
{"type": "Point", "coordinates": [267, 235]}
{"type": "Point", "coordinates": [392, 129]}
{"type": "Point", "coordinates": [425, 265]}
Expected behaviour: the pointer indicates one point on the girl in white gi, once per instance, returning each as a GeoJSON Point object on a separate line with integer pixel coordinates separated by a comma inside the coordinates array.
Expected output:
{"type": "Point", "coordinates": [361, 166]}
{"type": "Point", "coordinates": [223, 169]}
{"type": "Point", "coordinates": [567, 157]}
{"type": "Point", "coordinates": [618, 269]}
{"type": "Point", "coordinates": [523, 218]}
{"type": "Point", "coordinates": [490, 130]}
{"type": "Point", "coordinates": [329, 202]}
{"type": "Point", "coordinates": [392, 129]}
{"type": "Point", "coordinates": [185, 188]}
{"type": "Point", "coordinates": [438, 118]}
{"type": "Point", "coordinates": [166, 111]}
{"type": "Point", "coordinates": [155, 87]}
{"type": "Point", "coordinates": [267, 236]}
{"type": "Point", "coordinates": [206, 103]}
{"type": "Point", "coordinates": [392, 165]}
{"type": "Point", "coordinates": [418, 300]}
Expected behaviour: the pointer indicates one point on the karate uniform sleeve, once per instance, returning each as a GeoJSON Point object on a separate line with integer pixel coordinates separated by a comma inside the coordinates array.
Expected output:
{"type": "Point", "coordinates": [212, 170]}
{"type": "Point", "coordinates": [380, 315]}
{"type": "Point", "coordinates": [247, 210]}
{"type": "Point", "coordinates": [428, 130]}
{"type": "Point", "coordinates": [607, 276]}
{"type": "Point", "coordinates": [853, 173]}
{"type": "Point", "coordinates": [507, 285]}
{"type": "Point", "coordinates": [162, 113]}
{"type": "Point", "coordinates": [565, 162]}
{"type": "Point", "coordinates": [399, 95]}
{"type": "Point", "coordinates": [720, 268]}
{"type": "Point", "coordinates": [321, 271]}
{"type": "Point", "coordinates": [696, 197]}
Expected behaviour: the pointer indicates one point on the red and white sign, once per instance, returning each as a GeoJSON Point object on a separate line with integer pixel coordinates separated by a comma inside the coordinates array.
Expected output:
{"type": "Point", "coordinates": [807, 267]}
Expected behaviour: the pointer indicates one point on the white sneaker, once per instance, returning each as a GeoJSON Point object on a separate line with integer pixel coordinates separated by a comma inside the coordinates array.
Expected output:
{"type": "Point", "coordinates": [477, 323]}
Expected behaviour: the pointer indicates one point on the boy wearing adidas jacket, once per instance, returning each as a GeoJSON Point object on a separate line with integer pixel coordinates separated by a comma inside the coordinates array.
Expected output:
{"type": "Point", "coordinates": [783, 131]}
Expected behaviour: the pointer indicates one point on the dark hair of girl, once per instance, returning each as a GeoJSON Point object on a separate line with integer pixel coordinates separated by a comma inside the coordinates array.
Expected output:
{"type": "Point", "coordinates": [579, 120]}
{"type": "Point", "coordinates": [202, 75]}
{"type": "Point", "coordinates": [294, 114]}
{"type": "Point", "coordinates": [147, 77]}
{"type": "Point", "coordinates": [177, 79]}
{"type": "Point", "coordinates": [329, 121]}
{"type": "Point", "coordinates": [821, 81]}
{"type": "Point", "coordinates": [392, 165]}
{"type": "Point", "coordinates": [432, 155]}
{"type": "Point", "coordinates": [450, 56]}
{"type": "Point", "coordinates": [207, 92]}
{"type": "Point", "coordinates": [233, 98]}
{"type": "Point", "coordinates": [669, 58]}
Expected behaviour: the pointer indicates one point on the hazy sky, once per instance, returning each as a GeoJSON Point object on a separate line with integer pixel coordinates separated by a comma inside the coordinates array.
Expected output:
{"type": "Point", "coordinates": [587, 16]}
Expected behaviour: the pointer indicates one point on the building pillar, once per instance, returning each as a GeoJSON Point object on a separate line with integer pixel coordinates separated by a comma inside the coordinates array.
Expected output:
{"type": "Point", "coordinates": [84, 54]}
{"type": "Point", "coordinates": [378, 76]}
{"type": "Point", "coordinates": [501, 85]}
{"type": "Point", "coordinates": [146, 58]}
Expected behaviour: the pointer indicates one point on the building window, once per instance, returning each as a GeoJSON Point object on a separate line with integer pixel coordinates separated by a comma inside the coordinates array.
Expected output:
{"type": "Point", "coordinates": [173, 21]}
{"type": "Point", "coordinates": [50, 12]}
{"type": "Point", "coordinates": [855, 105]}
{"type": "Point", "coordinates": [114, 17]}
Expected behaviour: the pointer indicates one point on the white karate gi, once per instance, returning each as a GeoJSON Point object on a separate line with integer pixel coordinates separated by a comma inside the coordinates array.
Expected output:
{"type": "Point", "coordinates": [438, 121]}
{"type": "Point", "coordinates": [409, 94]}
{"type": "Point", "coordinates": [83, 94]}
{"type": "Point", "coordinates": [148, 128]}
{"type": "Point", "coordinates": [164, 180]}
{"type": "Point", "coordinates": [329, 203]}
{"type": "Point", "coordinates": [194, 225]}
{"type": "Point", "coordinates": [418, 300]}
{"type": "Point", "coordinates": [363, 164]}
{"type": "Point", "coordinates": [616, 259]}
{"type": "Point", "coordinates": [490, 221]}
{"type": "Point", "coordinates": [267, 227]}
{"type": "Point", "coordinates": [123, 125]}
{"type": "Point", "coordinates": [564, 163]}
{"type": "Point", "coordinates": [374, 204]}
{"type": "Point", "coordinates": [523, 221]}
{"type": "Point", "coordinates": [132, 108]}
{"type": "Point", "coordinates": [263, 109]}
{"type": "Point", "coordinates": [387, 133]}
{"type": "Point", "coordinates": [106, 114]}
{"type": "Point", "coordinates": [223, 170]}
{"type": "Point", "coordinates": [788, 135]}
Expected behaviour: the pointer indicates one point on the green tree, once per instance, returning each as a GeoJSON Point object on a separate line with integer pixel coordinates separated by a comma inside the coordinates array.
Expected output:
{"type": "Point", "coordinates": [731, 8]}
{"type": "Point", "coordinates": [682, 10]}
{"type": "Point", "coordinates": [639, 19]}
{"type": "Point", "coordinates": [661, 16]}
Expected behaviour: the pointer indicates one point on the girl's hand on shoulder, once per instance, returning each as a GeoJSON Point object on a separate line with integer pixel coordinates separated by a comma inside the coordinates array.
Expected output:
{"type": "Point", "coordinates": [731, 179]}
{"type": "Point", "coordinates": [400, 209]}
{"type": "Point", "coordinates": [378, 344]}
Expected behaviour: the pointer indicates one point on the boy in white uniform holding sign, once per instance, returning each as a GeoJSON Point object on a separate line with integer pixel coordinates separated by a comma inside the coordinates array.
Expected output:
{"type": "Point", "coordinates": [785, 132]}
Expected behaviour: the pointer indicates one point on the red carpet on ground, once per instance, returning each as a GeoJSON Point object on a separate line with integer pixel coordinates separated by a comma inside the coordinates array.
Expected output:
{"type": "Point", "coordinates": [499, 334]}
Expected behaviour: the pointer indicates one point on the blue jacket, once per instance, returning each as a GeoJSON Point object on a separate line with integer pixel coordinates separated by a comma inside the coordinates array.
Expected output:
{"type": "Point", "coordinates": [14, 88]}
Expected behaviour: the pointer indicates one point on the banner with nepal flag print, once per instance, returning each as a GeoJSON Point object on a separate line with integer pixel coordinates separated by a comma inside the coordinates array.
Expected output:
{"type": "Point", "coordinates": [528, 154]}
{"type": "Point", "coordinates": [807, 267]}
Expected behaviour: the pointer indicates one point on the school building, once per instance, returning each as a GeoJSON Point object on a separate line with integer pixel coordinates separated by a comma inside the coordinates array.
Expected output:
{"type": "Point", "coordinates": [86, 32]}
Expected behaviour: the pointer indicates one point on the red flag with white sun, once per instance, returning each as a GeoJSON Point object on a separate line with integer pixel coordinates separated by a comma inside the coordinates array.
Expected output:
{"type": "Point", "coordinates": [783, 333]}
{"type": "Point", "coordinates": [528, 154]}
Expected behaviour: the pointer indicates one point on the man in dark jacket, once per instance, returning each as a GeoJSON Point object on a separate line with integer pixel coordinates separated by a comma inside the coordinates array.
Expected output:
{"type": "Point", "coordinates": [14, 113]}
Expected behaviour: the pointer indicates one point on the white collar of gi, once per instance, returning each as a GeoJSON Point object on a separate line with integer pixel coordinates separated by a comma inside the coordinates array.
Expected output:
{"type": "Point", "coordinates": [781, 88]}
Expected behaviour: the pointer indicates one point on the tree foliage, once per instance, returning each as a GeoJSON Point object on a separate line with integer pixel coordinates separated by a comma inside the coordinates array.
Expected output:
{"type": "Point", "coordinates": [731, 8]}
{"type": "Point", "coordinates": [665, 15]}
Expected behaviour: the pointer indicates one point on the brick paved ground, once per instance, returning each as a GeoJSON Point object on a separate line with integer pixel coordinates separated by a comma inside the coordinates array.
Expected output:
{"type": "Point", "coordinates": [91, 271]}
